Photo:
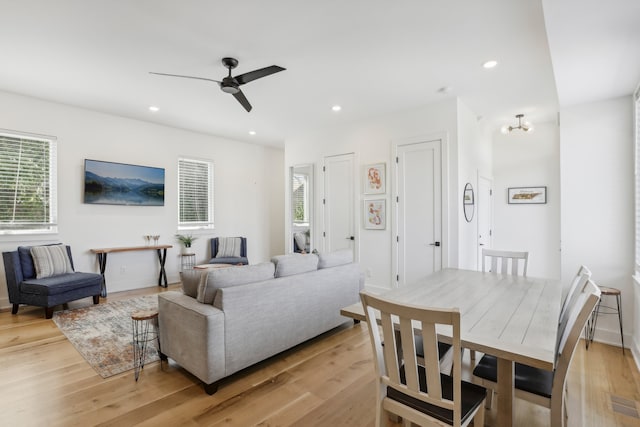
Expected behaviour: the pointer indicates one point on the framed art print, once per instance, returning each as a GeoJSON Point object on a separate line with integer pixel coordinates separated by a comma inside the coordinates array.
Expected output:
{"type": "Point", "coordinates": [375, 214]}
{"type": "Point", "coordinates": [527, 195]}
{"type": "Point", "coordinates": [374, 179]}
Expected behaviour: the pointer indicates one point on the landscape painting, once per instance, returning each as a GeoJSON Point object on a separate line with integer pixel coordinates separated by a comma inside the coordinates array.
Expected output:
{"type": "Point", "coordinates": [111, 183]}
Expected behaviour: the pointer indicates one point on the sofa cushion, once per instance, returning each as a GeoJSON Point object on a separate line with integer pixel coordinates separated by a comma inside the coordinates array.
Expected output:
{"type": "Point", "coordinates": [191, 282]}
{"type": "Point", "coordinates": [219, 278]}
{"type": "Point", "coordinates": [229, 247]}
{"type": "Point", "coordinates": [61, 283]}
{"type": "Point", "coordinates": [335, 258]}
{"type": "Point", "coordinates": [51, 260]}
{"type": "Point", "coordinates": [288, 265]}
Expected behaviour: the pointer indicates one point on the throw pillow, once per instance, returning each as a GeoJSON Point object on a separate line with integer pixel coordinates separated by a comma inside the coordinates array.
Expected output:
{"type": "Point", "coordinates": [229, 247]}
{"type": "Point", "coordinates": [51, 260]}
{"type": "Point", "coordinates": [301, 240]}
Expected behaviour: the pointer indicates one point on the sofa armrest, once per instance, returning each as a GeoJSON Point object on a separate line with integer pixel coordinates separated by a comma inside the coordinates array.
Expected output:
{"type": "Point", "coordinates": [13, 274]}
{"type": "Point", "coordinates": [192, 334]}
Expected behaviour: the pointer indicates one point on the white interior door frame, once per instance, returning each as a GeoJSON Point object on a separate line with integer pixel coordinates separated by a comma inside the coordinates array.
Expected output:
{"type": "Point", "coordinates": [485, 215]}
{"type": "Point", "coordinates": [353, 191]}
{"type": "Point", "coordinates": [392, 211]}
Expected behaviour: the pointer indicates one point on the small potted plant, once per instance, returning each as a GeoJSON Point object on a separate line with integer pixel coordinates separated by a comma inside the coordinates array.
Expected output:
{"type": "Point", "coordinates": [186, 240]}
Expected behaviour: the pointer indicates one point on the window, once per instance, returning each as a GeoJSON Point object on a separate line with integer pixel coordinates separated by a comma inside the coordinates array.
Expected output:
{"type": "Point", "coordinates": [195, 189]}
{"type": "Point", "coordinates": [27, 184]}
{"type": "Point", "coordinates": [300, 198]}
{"type": "Point", "coordinates": [637, 170]}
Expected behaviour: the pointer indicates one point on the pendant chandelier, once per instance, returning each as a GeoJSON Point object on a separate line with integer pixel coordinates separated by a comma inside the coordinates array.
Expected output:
{"type": "Point", "coordinates": [524, 126]}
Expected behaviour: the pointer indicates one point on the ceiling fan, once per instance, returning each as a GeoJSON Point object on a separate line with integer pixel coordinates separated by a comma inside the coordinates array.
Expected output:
{"type": "Point", "coordinates": [232, 84]}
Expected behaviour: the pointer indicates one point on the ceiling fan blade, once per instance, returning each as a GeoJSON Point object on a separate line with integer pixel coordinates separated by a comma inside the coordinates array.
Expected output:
{"type": "Point", "coordinates": [186, 77]}
{"type": "Point", "coordinates": [256, 74]}
{"type": "Point", "coordinates": [242, 100]}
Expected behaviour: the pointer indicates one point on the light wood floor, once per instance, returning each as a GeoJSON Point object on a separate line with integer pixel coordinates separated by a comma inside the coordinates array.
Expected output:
{"type": "Point", "coordinates": [328, 381]}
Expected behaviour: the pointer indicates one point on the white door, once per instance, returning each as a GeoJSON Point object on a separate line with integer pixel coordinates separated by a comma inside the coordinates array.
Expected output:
{"type": "Point", "coordinates": [338, 201]}
{"type": "Point", "coordinates": [485, 209]}
{"type": "Point", "coordinates": [419, 210]}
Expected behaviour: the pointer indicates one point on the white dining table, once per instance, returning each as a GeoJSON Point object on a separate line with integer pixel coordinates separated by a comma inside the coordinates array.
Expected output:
{"type": "Point", "coordinates": [514, 318]}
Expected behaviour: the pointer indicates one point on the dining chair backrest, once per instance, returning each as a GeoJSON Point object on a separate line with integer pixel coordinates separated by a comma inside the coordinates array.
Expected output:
{"type": "Point", "coordinates": [577, 316]}
{"type": "Point", "coordinates": [500, 261]}
{"type": "Point", "coordinates": [390, 369]}
{"type": "Point", "coordinates": [577, 284]}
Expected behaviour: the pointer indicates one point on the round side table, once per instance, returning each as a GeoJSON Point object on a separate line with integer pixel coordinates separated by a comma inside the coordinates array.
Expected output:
{"type": "Point", "coordinates": [145, 330]}
{"type": "Point", "coordinates": [188, 261]}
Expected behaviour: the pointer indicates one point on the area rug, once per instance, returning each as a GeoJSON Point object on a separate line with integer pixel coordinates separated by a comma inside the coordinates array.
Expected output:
{"type": "Point", "coordinates": [103, 333]}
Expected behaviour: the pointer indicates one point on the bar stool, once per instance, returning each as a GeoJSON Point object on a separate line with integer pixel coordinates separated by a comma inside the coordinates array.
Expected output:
{"type": "Point", "coordinates": [590, 328]}
{"type": "Point", "coordinates": [145, 330]}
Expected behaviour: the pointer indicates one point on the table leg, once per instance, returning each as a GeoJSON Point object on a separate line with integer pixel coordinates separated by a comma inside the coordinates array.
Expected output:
{"type": "Point", "coordinates": [505, 392]}
{"type": "Point", "coordinates": [162, 258]}
{"type": "Point", "coordinates": [102, 262]}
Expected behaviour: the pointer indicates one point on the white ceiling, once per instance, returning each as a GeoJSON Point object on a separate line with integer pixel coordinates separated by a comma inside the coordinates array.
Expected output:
{"type": "Point", "coordinates": [372, 57]}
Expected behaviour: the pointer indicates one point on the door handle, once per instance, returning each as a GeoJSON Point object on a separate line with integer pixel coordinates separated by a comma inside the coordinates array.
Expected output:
{"type": "Point", "coordinates": [481, 244]}
{"type": "Point", "coordinates": [350, 238]}
{"type": "Point", "coordinates": [434, 244]}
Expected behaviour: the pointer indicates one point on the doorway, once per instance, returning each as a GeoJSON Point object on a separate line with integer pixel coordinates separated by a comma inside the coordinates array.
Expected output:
{"type": "Point", "coordinates": [485, 215]}
{"type": "Point", "coordinates": [418, 213]}
{"type": "Point", "coordinates": [339, 219]}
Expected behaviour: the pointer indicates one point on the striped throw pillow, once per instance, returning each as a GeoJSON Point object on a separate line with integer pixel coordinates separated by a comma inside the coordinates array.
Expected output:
{"type": "Point", "coordinates": [228, 247]}
{"type": "Point", "coordinates": [51, 260]}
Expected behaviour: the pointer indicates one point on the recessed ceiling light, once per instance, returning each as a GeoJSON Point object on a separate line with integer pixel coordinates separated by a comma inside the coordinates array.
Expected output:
{"type": "Point", "coordinates": [490, 64]}
{"type": "Point", "coordinates": [336, 108]}
{"type": "Point", "coordinates": [154, 109]}
{"type": "Point", "coordinates": [252, 132]}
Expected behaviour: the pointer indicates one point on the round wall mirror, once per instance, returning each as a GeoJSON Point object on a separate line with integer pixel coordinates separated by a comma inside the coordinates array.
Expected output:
{"type": "Point", "coordinates": [468, 202]}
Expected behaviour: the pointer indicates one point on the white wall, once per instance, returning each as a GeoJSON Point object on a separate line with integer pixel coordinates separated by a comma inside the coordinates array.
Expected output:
{"type": "Point", "coordinates": [596, 158]}
{"type": "Point", "coordinates": [248, 190]}
{"type": "Point", "coordinates": [371, 141]}
{"type": "Point", "coordinates": [528, 160]}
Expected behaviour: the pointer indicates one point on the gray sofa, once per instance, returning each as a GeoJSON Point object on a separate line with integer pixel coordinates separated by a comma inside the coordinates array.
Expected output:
{"type": "Point", "coordinates": [227, 319]}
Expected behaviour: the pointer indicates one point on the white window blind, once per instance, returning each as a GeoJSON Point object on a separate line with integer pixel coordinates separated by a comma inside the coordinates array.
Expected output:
{"type": "Point", "coordinates": [300, 198]}
{"type": "Point", "coordinates": [195, 187]}
{"type": "Point", "coordinates": [27, 184]}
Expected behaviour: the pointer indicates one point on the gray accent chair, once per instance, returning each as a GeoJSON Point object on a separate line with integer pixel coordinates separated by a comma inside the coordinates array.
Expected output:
{"type": "Point", "coordinates": [229, 260]}
{"type": "Point", "coordinates": [25, 288]}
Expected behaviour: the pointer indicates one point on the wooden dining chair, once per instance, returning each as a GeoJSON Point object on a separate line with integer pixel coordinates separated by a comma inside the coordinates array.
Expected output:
{"type": "Point", "coordinates": [577, 284]}
{"type": "Point", "coordinates": [419, 394]}
{"type": "Point", "coordinates": [546, 388]}
{"type": "Point", "coordinates": [500, 261]}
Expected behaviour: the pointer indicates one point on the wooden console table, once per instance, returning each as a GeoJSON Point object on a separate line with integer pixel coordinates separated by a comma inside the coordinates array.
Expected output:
{"type": "Point", "coordinates": [102, 261]}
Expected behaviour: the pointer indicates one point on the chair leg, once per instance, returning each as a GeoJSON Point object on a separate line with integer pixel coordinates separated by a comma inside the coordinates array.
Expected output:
{"type": "Point", "coordinates": [618, 297]}
{"type": "Point", "coordinates": [478, 420]}
{"type": "Point", "coordinates": [48, 312]}
{"type": "Point", "coordinates": [14, 308]}
{"type": "Point", "coordinates": [488, 403]}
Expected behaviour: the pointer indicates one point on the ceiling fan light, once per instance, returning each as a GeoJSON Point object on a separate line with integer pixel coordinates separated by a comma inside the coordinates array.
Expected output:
{"type": "Point", "coordinates": [229, 89]}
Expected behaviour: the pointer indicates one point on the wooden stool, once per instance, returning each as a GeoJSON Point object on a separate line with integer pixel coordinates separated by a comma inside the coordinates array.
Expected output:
{"type": "Point", "coordinates": [145, 329]}
{"type": "Point", "coordinates": [590, 327]}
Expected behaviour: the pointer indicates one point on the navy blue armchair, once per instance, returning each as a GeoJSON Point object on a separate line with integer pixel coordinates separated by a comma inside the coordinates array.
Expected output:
{"type": "Point", "coordinates": [25, 288]}
{"type": "Point", "coordinates": [242, 259]}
